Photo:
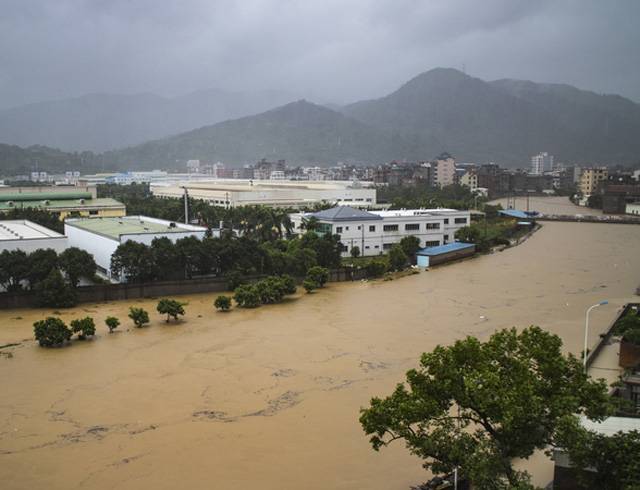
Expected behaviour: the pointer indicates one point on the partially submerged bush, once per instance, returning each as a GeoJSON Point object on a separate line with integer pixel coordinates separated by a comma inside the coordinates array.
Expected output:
{"type": "Point", "coordinates": [170, 307]}
{"type": "Point", "coordinates": [222, 303]}
{"type": "Point", "coordinates": [139, 316]}
{"type": "Point", "coordinates": [84, 327]}
{"type": "Point", "coordinates": [112, 322]}
{"type": "Point", "coordinates": [51, 331]}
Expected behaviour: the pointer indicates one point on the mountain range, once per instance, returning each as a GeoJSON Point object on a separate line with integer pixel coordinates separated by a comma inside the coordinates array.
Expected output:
{"type": "Point", "coordinates": [99, 122]}
{"type": "Point", "coordinates": [505, 121]}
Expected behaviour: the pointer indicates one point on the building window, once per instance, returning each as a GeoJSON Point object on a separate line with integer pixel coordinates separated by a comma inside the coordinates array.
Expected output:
{"type": "Point", "coordinates": [372, 228]}
{"type": "Point", "coordinates": [446, 221]}
{"type": "Point", "coordinates": [387, 246]}
{"type": "Point", "coordinates": [411, 226]}
{"type": "Point", "coordinates": [344, 248]}
{"type": "Point", "coordinates": [433, 243]}
{"type": "Point", "coordinates": [346, 228]}
{"type": "Point", "coordinates": [359, 227]}
{"type": "Point", "coordinates": [366, 246]}
{"type": "Point", "coordinates": [390, 227]}
{"type": "Point", "coordinates": [338, 229]}
{"type": "Point", "coordinates": [93, 212]}
{"type": "Point", "coordinates": [369, 199]}
{"type": "Point", "coordinates": [433, 226]}
{"type": "Point", "coordinates": [446, 238]}
{"type": "Point", "coordinates": [460, 221]}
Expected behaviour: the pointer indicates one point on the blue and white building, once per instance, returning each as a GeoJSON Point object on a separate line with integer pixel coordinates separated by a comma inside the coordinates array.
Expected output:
{"type": "Point", "coordinates": [375, 232]}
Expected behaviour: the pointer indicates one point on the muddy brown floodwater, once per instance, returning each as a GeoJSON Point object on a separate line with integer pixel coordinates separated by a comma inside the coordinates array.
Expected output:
{"type": "Point", "coordinates": [269, 398]}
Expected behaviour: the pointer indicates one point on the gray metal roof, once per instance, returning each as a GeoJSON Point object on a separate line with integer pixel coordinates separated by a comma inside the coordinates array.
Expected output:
{"type": "Point", "coordinates": [345, 213]}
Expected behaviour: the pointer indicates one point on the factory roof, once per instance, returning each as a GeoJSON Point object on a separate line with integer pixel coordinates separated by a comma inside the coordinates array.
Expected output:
{"type": "Point", "coordinates": [42, 196]}
{"type": "Point", "coordinates": [114, 228]}
{"type": "Point", "coordinates": [345, 213]}
{"type": "Point", "coordinates": [25, 230]}
{"type": "Point", "coordinates": [514, 213]}
{"type": "Point", "coordinates": [55, 204]}
{"type": "Point", "coordinates": [417, 212]}
{"type": "Point", "coordinates": [443, 249]}
{"type": "Point", "coordinates": [611, 425]}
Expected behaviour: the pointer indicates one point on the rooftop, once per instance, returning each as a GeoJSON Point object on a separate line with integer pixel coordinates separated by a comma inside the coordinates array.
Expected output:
{"type": "Point", "coordinates": [344, 213]}
{"type": "Point", "coordinates": [610, 426]}
{"type": "Point", "coordinates": [130, 225]}
{"type": "Point", "coordinates": [417, 212]}
{"type": "Point", "coordinates": [443, 249]}
{"type": "Point", "coordinates": [25, 230]}
{"type": "Point", "coordinates": [514, 213]}
{"type": "Point", "coordinates": [56, 203]}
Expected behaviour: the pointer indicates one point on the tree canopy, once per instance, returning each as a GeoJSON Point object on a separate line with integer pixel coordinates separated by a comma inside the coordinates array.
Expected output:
{"type": "Point", "coordinates": [477, 405]}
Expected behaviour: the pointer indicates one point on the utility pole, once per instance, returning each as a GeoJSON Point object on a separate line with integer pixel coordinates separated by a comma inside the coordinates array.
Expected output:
{"type": "Point", "coordinates": [186, 206]}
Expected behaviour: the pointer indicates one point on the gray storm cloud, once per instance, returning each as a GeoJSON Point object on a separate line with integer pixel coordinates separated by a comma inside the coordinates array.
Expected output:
{"type": "Point", "coordinates": [327, 50]}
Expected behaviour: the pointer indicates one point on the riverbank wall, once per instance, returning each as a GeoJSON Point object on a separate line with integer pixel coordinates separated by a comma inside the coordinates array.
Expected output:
{"type": "Point", "coordinates": [116, 292]}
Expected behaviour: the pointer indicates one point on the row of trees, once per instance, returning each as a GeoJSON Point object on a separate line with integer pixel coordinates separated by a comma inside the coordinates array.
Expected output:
{"type": "Point", "coordinates": [477, 406]}
{"type": "Point", "coordinates": [53, 331]}
{"type": "Point", "coordinates": [422, 195]}
{"type": "Point", "coordinates": [189, 257]}
{"type": "Point", "coordinates": [42, 271]}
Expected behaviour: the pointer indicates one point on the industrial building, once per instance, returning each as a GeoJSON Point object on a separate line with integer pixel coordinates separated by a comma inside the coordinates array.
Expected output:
{"type": "Point", "coordinates": [286, 194]}
{"type": "Point", "coordinates": [102, 236]}
{"type": "Point", "coordinates": [62, 200]}
{"type": "Point", "coordinates": [429, 256]}
{"type": "Point", "coordinates": [375, 232]}
{"type": "Point", "coordinates": [27, 236]}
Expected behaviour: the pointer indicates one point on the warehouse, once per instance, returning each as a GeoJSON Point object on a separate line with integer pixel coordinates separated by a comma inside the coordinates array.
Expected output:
{"type": "Point", "coordinates": [78, 203]}
{"type": "Point", "coordinates": [287, 194]}
{"type": "Point", "coordinates": [102, 236]}
{"type": "Point", "coordinates": [429, 256]}
{"type": "Point", "coordinates": [27, 236]}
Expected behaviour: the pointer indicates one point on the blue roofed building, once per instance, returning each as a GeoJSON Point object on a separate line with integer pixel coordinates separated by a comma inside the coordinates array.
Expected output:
{"type": "Point", "coordinates": [429, 256]}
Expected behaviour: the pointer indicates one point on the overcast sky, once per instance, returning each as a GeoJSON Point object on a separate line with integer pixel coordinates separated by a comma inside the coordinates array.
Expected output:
{"type": "Point", "coordinates": [325, 50]}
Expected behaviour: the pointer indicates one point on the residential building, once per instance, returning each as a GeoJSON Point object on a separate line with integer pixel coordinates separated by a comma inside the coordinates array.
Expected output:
{"type": "Point", "coordinates": [27, 236]}
{"type": "Point", "coordinates": [541, 163]}
{"type": "Point", "coordinates": [590, 179]}
{"type": "Point", "coordinates": [443, 170]}
{"type": "Point", "coordinates": [287, 194]}
{"type": "Point", "coordinates": [469, 179]}
{"type": "Point", "coordinates": [102, 236]}
{"type": "Point", "coordinates": [633, 208]}
{"type": "Point", "coordinates": [375, 232]}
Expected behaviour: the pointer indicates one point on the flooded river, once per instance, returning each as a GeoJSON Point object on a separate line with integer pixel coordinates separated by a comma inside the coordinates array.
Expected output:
{"type": "Point", "coordinates": [269, 398]}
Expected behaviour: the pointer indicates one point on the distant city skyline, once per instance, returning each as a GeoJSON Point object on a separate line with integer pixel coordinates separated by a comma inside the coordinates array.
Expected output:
{"type": "Point", "coordinates": [324, 51]}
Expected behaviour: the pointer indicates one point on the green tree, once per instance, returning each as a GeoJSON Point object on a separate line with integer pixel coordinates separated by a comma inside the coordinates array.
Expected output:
{"type": "Point", "coordinates": [222, 303]}
{"type": "Point", "coordinates": [77, 263]}
{"type": "Point", "coordinates": [139, 316]}
{"type": "Point", "coordinates": [319, 275]}
{"type": "Point", "coordinates": [410, 245]}
{"type": "Point", "coordinates": [40, 263]}
{"type": "Point", "coordinates": [171, 308]}
{"type": "Point", "coordinates": [234, 279]}
{"type": "Point", "coordinates": [309, 285]}
{"type": "Point", "coordinates": [478, 405]}
{"type": "Point", "coordinates": [355, 252]}
{"type": "Point", "coordinates": [13, 269]}
{"type": "Point", "coordinates": [246, 296]}
{"type": "Point", "coordinates": [134, 262]}
{"type": "Point", "coordinates": [54, 291]}
{"type": "Point", "coordinates": [615, 458]}
{"type": "Point", "coordinates": [288, 284]}
{"type": "Point", "coordinates": [112, 323]}
{"type": "Point", "coordinates": [84, 327]}
{"type": "Point", "coordinates": [397, 258]}
{"type": "Point", "coordinates": [51, 331]}
{"type": "Point", "coordinates": [376, 267]}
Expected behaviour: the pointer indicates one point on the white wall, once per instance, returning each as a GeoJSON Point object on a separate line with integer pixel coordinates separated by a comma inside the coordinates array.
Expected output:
{"type": "Point", "coordinates": [99, 246]}
{"type": "Point", "coordinates": [28, 245]}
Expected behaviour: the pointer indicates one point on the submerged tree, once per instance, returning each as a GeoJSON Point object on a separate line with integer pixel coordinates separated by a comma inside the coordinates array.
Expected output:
{"type": "Point", "coordinates": [84, 327]}
{"type": "Point", "coordinates": [51, 331]}
{"type": "Point", "coordinates": [222, 303]}
{"type": "Point", "coordinates": [112, 323]}
{"type": "Point", "coordinates": [478, 405]}
{"type": "Point", "coordinates": [139, 316]}
{"type": "Point", "coordinates": [171, 308]}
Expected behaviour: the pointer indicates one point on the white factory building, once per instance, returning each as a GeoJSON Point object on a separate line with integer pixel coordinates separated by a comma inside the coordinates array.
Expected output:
{"type": "Point", "coordinates": [102, 236]}
{"type": "Point", "coordinates": [375, 232]}
{"type": "Point", "coordinates": [231, 193]}
{"type": "Point", "coordinates": [27, 236]}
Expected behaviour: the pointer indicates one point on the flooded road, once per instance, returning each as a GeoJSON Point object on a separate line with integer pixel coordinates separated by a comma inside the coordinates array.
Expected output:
{"type": "Point", "coordinates": [269, 398]}
{"type": "Point", "coordinates": [549, 205]}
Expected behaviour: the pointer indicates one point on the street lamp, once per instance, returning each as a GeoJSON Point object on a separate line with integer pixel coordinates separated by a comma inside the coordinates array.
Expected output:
{"type": "Point", "coordinates": [586, 331]}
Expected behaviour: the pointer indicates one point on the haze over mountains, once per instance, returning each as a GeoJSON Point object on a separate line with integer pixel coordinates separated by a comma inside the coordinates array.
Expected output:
{"type": "Point", "coordinates": [505, 121]}
{"type": "Point", "coordinates": [99, 122]}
